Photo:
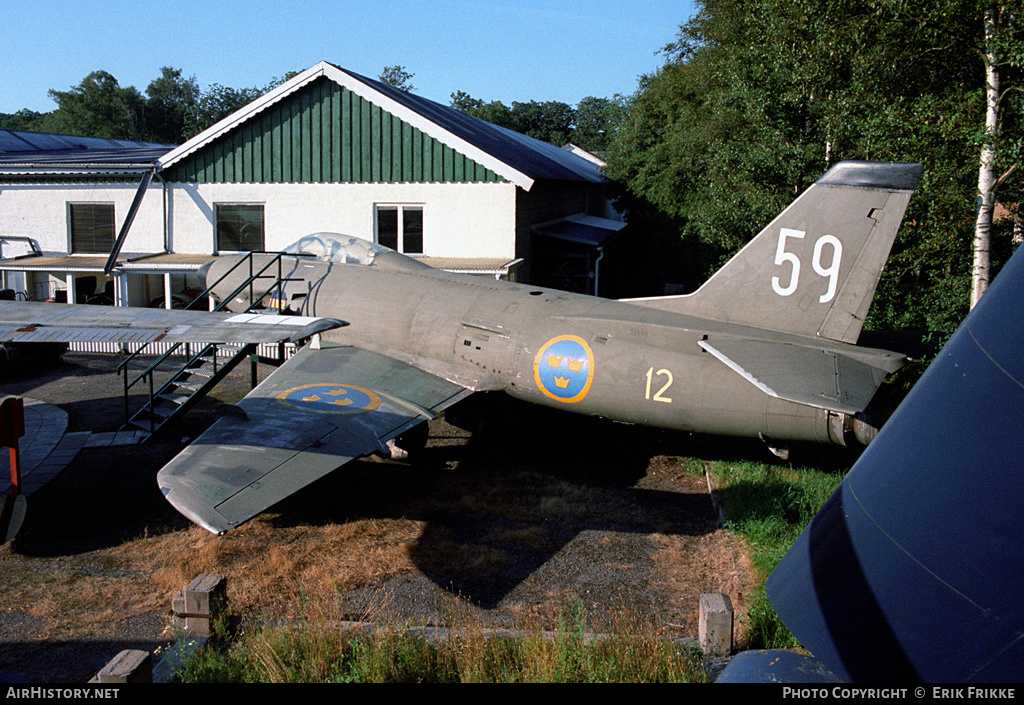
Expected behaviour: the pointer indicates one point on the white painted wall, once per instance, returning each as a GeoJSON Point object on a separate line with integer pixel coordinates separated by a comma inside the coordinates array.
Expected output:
{"type": "Point", "coordinates": [459, 220]}
{"type": "Point", "coordinates": [40, 211]}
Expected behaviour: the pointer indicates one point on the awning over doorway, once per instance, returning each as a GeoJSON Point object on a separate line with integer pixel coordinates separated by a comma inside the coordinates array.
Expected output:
{"type": "Point", "coordinates": [582, 229]}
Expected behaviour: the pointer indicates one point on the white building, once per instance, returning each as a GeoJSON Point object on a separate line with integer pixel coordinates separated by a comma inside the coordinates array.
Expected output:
{"type": "Point", "coordinates": [327, 150]}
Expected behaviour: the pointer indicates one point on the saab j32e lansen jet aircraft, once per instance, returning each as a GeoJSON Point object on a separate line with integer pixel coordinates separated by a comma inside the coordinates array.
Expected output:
{"type": "Point", "coordinates": [766, 347]}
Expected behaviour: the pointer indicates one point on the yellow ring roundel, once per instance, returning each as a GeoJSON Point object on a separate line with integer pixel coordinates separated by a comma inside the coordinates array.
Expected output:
{"type": "Point", "coordinates": [330, 398]}
{"type": "Point", "coordinates": [564, 368]}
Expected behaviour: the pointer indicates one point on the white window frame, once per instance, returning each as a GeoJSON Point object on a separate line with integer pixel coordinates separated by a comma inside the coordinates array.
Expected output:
{"type": "Point", "coordinates": [401, 208]}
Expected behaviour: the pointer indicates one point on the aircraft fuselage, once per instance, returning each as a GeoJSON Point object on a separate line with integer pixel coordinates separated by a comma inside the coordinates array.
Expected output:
{"type": "Point", "coordinates": [618, 360]}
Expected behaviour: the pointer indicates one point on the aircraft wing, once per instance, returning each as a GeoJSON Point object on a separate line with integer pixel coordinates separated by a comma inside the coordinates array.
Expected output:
{"type": "Point", "coordinates": [27, 322]}
{"type": "Point", "coordinates": [316, 412]}
{"type": "Point", "coordinates": [821, 377]}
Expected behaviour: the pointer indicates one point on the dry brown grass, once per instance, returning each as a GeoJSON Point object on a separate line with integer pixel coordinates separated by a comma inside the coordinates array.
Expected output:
{"type": "Point", "coordinates": [73, 599]}
{"type": "Point", "coordinates": [270, 565]}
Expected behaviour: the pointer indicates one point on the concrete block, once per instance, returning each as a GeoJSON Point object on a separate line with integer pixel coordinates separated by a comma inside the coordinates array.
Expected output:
{"type": "Point", "coordinates": [129, 666]}
{"type": "Point", "coordinates": [714, 628]}
{"type": "Point", "coordinates": [200, 603]}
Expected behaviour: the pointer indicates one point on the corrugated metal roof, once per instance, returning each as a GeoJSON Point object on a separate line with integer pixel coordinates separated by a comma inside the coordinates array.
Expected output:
{"type": "Point", "coordinates": [536, 159]}
{"type": "Point", "coordinates": [48, 150]}
{"type": "Point", "coordinates": [525, 159]}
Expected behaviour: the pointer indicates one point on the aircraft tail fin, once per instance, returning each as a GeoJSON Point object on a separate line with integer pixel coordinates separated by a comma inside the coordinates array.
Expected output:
{"type": "Point", "coordinates": [814, 269]}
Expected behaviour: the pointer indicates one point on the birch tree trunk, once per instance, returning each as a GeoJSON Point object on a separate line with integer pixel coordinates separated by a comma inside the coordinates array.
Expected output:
{"type": "Point", "coordinates": [981, 273]}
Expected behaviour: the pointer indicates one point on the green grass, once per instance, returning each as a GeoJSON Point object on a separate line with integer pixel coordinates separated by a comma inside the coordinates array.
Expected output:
{"type": "Point", "coordinates": [313, 651]}
{"type": "Point", "coordinates": [769, 505]}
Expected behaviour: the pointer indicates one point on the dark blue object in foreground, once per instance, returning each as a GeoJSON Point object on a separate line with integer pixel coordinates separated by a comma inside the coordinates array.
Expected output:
{"type": "Point", "coordinates": [913, 571]}
{"type": "Point", "coordinates": [775, 667]}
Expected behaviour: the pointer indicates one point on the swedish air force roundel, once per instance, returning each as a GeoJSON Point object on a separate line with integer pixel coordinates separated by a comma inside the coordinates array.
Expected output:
{"type": "Point", "coordinates": [564, 368]}
{"type": "Point", "coordinates": [330, 398]}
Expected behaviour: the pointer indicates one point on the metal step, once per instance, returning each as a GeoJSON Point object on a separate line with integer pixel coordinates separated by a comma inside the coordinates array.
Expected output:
{"type": "Point", "coordinates": [184, 384]}
{"type": "Point", "coordinates": [174, 398]}
{"type": "Point", "coordinates": [161, 411]}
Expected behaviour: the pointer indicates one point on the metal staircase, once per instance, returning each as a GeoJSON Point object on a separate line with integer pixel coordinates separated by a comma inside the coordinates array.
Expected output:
{"type": "Point", "coordinates": [201, 372]}
{"type": "Point", "coordinates": [188, 385]}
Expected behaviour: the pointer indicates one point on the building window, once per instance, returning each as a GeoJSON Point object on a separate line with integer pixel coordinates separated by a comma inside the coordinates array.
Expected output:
{"type": "Point", "coordinates": [239, 227]}
{"type": "Point", "coordinates": [92, 227]}
{"type": "Point", "coordinates": [401, 228]}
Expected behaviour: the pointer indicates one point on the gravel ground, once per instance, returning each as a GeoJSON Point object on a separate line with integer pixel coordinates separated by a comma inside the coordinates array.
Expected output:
{"type": "Point", "coordinates": [541, 513]}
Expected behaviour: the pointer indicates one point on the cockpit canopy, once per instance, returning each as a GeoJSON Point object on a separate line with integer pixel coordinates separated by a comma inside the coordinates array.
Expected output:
{"type": "Point", "coordinates": [337, 248]}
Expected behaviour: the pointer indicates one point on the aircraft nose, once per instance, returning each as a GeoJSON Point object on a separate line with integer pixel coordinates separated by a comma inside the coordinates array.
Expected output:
{"type": "Point", "coordinates": [203, 271]}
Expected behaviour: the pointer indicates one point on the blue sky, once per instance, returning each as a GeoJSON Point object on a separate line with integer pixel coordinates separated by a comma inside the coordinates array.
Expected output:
{"type": "Point", "coordinates": [507, 50]}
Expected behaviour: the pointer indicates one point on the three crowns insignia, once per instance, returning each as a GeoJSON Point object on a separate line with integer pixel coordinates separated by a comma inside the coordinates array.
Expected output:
{"type": "Point", "coordinates": [574, 365]}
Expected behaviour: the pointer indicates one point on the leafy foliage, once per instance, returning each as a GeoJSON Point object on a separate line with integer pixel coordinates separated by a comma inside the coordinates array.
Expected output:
{"type": "Point", "coordinates": [733, 127]}
{"type": "Point", "coordinates": [171, 107]}
{"type": "Point", "coordinates": [23, 120]}
{"type": "Point", "coordinates": [590, 125]}
{"type": "Point", "coordinates": [98, 107]}
{"type": "Point", "coordinates": [216, 103]}
{"type": "Point", "coordinates": [398, 77]}
{"type": "Point", "coordinates": [172, 110]}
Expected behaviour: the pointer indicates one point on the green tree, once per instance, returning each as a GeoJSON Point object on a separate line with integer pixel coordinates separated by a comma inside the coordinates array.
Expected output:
{"type": "Point", "coordinates": [465, 102]}
{"type": "Point", "coordinates": [494, 112]}
{"type": "Point", "coordinates": [591, 124]}
{"type": "Point", "coordinates": [550, 121]}
{"type": "Point", "coordinates": [732, 127]}
{"type": "Point", "coordinates": [98, 107]}
{"type": "Point", "coordinates": [398, 77]}
{"type": "Point", "coordinates": [596, 121]}
{"type": "Point", "coordinates": [1002, 50]}
{"type": "Point", "coordinates": [172, 103]}
{"type": "Point", "coordinates": [216, 103]}
{"type": "Point", "coordinates": [23, 120]}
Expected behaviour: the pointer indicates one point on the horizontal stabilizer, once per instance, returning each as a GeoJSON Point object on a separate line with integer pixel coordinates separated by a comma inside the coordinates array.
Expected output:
{"type": "Point", "coordinates": [825, 378]}
{"type": "Point", "coordinates": [315, 413]}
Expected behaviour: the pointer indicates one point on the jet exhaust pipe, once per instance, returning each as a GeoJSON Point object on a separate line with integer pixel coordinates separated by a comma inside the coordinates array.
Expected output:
{"type": "Point", "coordinates": [849, 429]}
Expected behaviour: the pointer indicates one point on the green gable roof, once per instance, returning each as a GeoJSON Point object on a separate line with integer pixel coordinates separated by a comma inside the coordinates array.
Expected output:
{"type": "Point", "coordinates": [325, 133]}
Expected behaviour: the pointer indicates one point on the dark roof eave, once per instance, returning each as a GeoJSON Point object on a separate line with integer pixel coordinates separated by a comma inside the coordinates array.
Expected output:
{"type": "Point", "coordinates": [73, 168]}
